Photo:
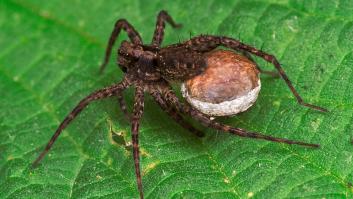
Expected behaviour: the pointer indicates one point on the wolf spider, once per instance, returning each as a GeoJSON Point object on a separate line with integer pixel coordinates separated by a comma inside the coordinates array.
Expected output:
{"type": "Point", "coordinates": [150, 68]}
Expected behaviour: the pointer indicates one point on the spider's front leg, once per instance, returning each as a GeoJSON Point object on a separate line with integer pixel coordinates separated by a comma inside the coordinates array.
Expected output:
{"type": "Point", "coordinates": [135, 122]}
{"type": "Point", "coordinates": [174, 114]}
{"type": "Point", "coordinates": [131, 32]}
{"type": "Point", "coordinates": [173, 100]}
{"type": "Point", "coordinates": [100, 94]}
{"type": "Point", "coordinates": [208, 42]}
{"type": "Point", "coordinates": [162, 17]}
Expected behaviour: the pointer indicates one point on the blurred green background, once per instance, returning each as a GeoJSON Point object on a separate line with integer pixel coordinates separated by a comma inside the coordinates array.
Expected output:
{"type": "Point", "coordinates": [50, 53]}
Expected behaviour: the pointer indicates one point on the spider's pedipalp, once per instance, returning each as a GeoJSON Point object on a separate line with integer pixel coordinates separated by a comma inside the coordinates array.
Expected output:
{"type": "Point", "coordinates": [100, 94]}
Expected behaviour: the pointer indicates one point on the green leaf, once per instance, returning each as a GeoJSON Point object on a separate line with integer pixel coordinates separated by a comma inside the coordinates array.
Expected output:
{"type": "Point", "coordinates": [50, 52]}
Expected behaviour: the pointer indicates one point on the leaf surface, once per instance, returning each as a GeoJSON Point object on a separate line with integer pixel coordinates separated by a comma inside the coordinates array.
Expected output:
{"type": "Point", "coordinates": [49, 57]}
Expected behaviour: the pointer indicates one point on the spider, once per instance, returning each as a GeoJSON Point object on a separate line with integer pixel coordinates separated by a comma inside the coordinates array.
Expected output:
{"type": "Point", "coordinates": [151, 68]}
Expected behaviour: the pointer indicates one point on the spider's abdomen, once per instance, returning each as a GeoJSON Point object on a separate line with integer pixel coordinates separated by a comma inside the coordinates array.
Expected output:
{"type": "Point", "coordinates": [229, 85]}
{"type": "Point", "coordinates": [180, 64]}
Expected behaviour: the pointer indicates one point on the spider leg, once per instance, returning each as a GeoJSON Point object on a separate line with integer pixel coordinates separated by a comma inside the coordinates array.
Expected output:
{"type": "Point", "coordinates": [270, 73]}
{"type": "Point", "coordinates": [123, 106]}
{"type": "Point", "coordinates": [162, 17]}
{"type": "Point", "coordinates": [99, 94]}
{"type": "Point", "coordinates": [173, 113]}
{"type": "Point", "coordinates": [131, 32]}
{"type": "Point", "coordinates": [205, 43]}
{"type": "Point", "coordinates": [173, 100]}
{"type": "Point", "coordinates": [135, 120]}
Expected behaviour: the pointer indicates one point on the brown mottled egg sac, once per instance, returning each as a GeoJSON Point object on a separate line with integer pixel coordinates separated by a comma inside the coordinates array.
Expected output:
{"type": "Point", "coordinates": [229, 85]}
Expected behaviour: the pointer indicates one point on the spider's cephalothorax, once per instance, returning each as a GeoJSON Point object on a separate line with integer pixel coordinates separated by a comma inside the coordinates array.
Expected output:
{"type": "Point", "coordinates": [150, 69]}
{"type": "Point", "coordinates": [173, 63]}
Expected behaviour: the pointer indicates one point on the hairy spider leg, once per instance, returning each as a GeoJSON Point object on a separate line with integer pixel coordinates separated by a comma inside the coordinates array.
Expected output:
{"type": "Point", "coordinates": [123, 105]}
{"type": "Point", "coordinates": [270, 73]}
{"type": "Point", "coordinates": [162, 17]}
{"type": "Point", "coordinates": [135, 121]}
{"type": "Point", "coordinates": [131, 32]}
{"type": "Point", "coordinates": [173, 113]}
{"type": "Point", "coordinates": [173, 100]}
{"type": "Point", "coordinates": [206, 43]}
{"type": "Point", "coordinates": [99, 94]}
